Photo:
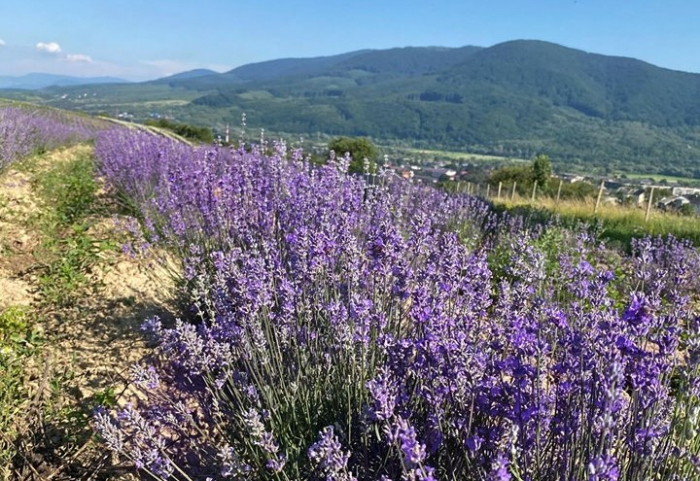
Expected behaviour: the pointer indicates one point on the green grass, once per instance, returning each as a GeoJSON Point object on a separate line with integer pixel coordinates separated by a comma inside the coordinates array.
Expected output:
{"type": "Point", "coordinates": [69, 252]}
{"type": "Point", "coordinates": [459, 156]}
{"type": "Point", "coordinates": [619, 224]}
{"type": "Point", "coordinates": [660, 178]}
{"type": "Point", "coordinates": [37, 407]}
{"type": "Point", "coordinates": [68, 190]}
{"type": "Point", "coordinates": [20, 342]}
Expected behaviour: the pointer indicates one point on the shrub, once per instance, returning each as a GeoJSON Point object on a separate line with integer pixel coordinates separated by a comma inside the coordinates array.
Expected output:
{"type": "Point", "coordinates": [193, 132]}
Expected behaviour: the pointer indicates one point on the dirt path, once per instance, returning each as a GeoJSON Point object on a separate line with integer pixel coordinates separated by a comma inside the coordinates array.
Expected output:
{"type": "Point", "coordinates": [16, 241]}
{"type": "Point", "coordinates": [89, 346]}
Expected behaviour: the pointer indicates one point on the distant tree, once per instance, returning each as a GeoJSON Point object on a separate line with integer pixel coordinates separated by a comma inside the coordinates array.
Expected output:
{"type": "Point", "coordinates": [541, 170]}
{"type": "Point", "coordinates": [687, 210]}
{"type": "Point", "coordinates": [187, 131]}
{"type": "Point", "coordinates": [359, 149]}
{"type": "Point", "coordinates": [577, 190]}
{"type": "Point", "coordinates": [522, 174]}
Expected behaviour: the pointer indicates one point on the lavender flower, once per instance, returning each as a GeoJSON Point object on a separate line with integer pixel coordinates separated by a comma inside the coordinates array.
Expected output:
{"type": "Point", "coordinates": [329, 458]}
{"type": "Point", "coordinates": [426, 332]}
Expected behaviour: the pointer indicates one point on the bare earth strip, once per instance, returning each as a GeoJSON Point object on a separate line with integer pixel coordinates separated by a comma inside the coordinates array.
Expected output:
{"type": "Point", "coordinates": [89, 348]}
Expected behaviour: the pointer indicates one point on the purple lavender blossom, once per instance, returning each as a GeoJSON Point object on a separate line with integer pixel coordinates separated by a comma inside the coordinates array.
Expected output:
{"type": "Point", "coordinates": [329, 458]}
{"type": "Point", "coordinates": [384, 330]}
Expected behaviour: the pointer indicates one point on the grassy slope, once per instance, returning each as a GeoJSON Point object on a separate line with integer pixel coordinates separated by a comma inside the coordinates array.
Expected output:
{"type": "Point", "coordinates": [616, 223]}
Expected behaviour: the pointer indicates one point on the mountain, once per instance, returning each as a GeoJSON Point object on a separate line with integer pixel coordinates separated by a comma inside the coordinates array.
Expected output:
{"type": "Point", "coordinates": [517, 98]}
{"type": "Point", "coordinates": [520, 72]}
{"type": "Point", "coordinates": [614, 88]}
{"type": "Point", "coordinates": [35, 81]}
{"type": "Point", "coordinates": [190, 74]}
{"type": "Point", "coordinates": [396, 61]}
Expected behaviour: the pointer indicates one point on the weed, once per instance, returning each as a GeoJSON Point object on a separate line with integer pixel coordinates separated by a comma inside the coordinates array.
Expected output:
{"type": "Point", "coordinates": [69, 252]}
{"type": "Point", "coordinates": [69, 189]}
{"type": "Point", "coordinates": [73, 257]}
{"type": "Point", "coordinates": [18, 343]}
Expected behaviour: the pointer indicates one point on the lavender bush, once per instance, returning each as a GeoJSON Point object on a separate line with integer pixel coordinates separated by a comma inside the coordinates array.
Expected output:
{"type": "Point", "coordinates": [349, 328]}
{"type": "Point", "coordinates": [27, 130]}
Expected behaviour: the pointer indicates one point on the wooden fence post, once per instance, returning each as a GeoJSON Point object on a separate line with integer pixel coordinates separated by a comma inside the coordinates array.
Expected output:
{"type": "Point", "coordinates": [651, 199]}
{"type": "Point", "coordinates": [512, 195]}
{"type": "Point", "coordinates": [600, 195]}
{"type": "Point", "coordinates": [500, 184]}
{"type": "Point", "coordinates": [561, 181]}
{"type": "Point", "coordinates": [534, 191]}
{"type": "Point", "coordinates": [488, 190]}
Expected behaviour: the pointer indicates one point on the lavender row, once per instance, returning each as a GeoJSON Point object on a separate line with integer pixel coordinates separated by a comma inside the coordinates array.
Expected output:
{"type": "Point", "coordinates": [349, 328]}
{"type": "Point", "coordinates": [27, 130]}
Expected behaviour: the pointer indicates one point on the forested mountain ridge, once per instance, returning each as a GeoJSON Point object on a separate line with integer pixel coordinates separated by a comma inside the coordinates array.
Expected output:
{"type": "Point", "coordinates": [517, 98]}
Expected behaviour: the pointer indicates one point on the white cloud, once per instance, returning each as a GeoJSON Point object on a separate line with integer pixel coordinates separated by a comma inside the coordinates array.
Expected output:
{"type": "Point", "coordinates": [2, 43]}
{"type": "Point", "coordinates": [78, 58]}
{"type": "Point", "coordinates": [50, 47]}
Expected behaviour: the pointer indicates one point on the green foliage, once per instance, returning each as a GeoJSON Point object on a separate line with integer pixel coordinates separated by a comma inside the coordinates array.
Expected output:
{"type": "Point", "coordinates": [687, 210]}
{"type": "Point", "coordinates": [541, 170]}
{"type": "Point", "coordinates": [618, 225]}
{"type": "Point", "coordinates": [68, 251]}
{"type": "Point", "coordinates": [19, 342]}
{"type": "Point", "coordinates": [575, 190]}
{"type": "Point", "coordinates": [361, 150]}
{"type": "Point", "coordinates": [69, 189]}
{"type": "Point", "coordinates": [13, 320]}
{"type": "Point", "coordinates": [522, 174]}
{"type": "Point", "coordinates": [72, 258]}
{"type": "Point", "coordinates": [201, 134]}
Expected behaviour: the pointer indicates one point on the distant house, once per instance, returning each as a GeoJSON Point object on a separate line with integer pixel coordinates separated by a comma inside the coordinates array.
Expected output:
{"type": "Point", "coordinates": [434, 172]}
{"type": "Point", "coordinates": [613, 184]}
{"type": "Point", "coordinates": [686, 191]}
{"type": "Point", "coordinates": [572, 179]}
{"type": "Point", "coordinates": [636, 196]}
{"type": "Point", "coordinates": [672, 202]}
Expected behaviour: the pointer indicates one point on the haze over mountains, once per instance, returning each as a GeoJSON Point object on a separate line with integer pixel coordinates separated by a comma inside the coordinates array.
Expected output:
{"type": "Point", "coordinates": [35, 81]}
{"type": "Point", "coordinates": [518, 98]}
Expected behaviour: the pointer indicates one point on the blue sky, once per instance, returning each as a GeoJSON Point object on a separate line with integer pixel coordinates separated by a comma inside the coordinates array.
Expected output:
{"type": "Point", "coordinates": [142, 39]}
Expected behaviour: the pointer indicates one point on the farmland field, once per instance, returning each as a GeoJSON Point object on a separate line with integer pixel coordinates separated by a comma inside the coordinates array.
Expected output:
{"type": "Point", "coordinates": [659, 178]}
{"type": "Point", "coordinates": [253, 315]}
{"type": "Point", "coordinates": [336, 241]}
{"type": "Point", "coordinates": [458, 156]}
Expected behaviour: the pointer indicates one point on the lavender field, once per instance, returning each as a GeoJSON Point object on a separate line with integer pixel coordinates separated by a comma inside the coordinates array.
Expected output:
{"type": "Point", "coordinates": [346, 327]}
{"type": "Point", "coordinates": [25, 130]}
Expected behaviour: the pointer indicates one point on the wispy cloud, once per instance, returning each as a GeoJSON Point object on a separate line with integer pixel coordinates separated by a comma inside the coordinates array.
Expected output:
{"type": "Point", "coordinates": [78, 58]}
{"type": "Point", "coordinates": [2, 43]}
{"type": "Point", "coordinates": [50, 47]}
